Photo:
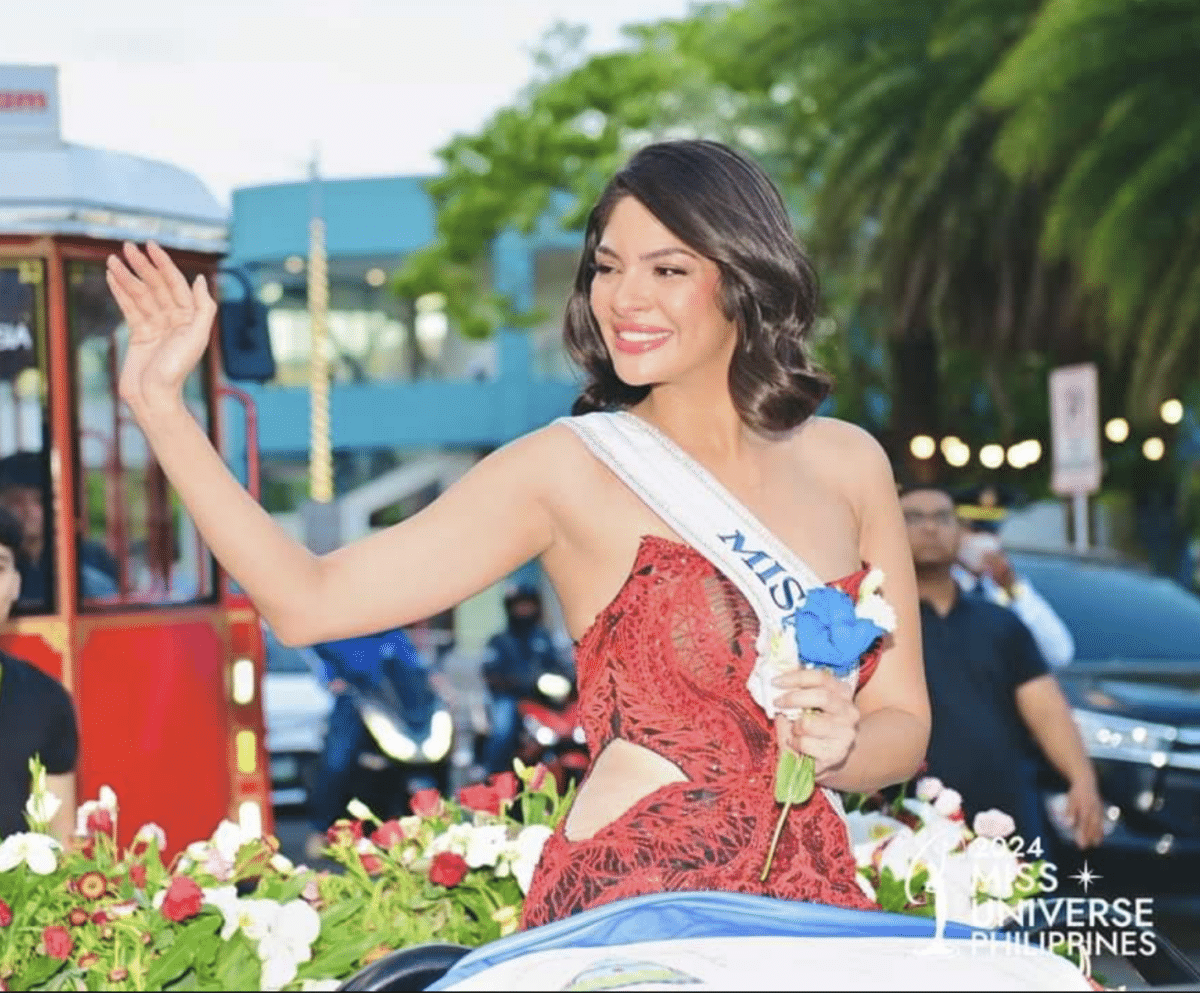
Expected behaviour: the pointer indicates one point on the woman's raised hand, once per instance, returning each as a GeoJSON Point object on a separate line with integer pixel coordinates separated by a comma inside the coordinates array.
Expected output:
{"type": "Point", "coordinates": [169, 323]}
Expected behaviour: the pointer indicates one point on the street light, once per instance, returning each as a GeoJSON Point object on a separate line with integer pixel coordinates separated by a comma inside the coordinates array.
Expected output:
{"type": "Point", "coordinates": [955, 451]}
{"type": "Point", "coordinates": [1171, 411]}
{"type": "Point", "coordinates": [1116, 430]}
{"type": "Point", "coordinates": [992, 456]}
{"type": "Point", "coordinates": [1153, 449]}
{"type": "Point", "coordinates": [922, 446]}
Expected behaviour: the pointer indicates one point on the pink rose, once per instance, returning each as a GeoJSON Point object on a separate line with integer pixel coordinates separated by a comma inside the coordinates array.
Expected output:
{"type": "Point", "coordinates": [183, 900]}
{"type": "Point", "coordinates": [58, 941]}
{"type": "Point", "coordinates": [480, 797]}
{"type": "Point", "coordinates": [387, 834]}
{"type": "Point", "coordinates": [505, 784]}
{"type": "Point", "coordinates": [427, 803]}
{"type": "Point", "coordinates": [994, 824]}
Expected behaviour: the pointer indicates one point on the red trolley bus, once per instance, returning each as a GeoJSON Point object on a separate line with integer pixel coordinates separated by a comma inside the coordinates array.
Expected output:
{"type": "Point", "coordinates": [120, 599]}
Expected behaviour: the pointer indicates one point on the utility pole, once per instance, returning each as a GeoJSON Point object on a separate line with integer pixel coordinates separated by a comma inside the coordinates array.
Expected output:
{"type": "Point", "coordinates": [320, 515]}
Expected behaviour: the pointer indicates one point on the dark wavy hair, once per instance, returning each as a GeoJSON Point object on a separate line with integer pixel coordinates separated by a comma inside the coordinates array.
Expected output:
{"type": "Point", "coordinates": [724, 206]}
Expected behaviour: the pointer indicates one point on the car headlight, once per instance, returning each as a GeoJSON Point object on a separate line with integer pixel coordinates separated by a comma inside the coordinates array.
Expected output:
{"type": "Point", "coordinates": [441, 736]}
{"type": "Point", "coordinates": [1107, 736]}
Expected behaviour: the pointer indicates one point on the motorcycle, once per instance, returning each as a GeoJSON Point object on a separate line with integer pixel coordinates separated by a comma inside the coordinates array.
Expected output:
{"type": "Point", "coordinates": [410, 735]}
{"type": "Point", "coordinates": [551, 733]}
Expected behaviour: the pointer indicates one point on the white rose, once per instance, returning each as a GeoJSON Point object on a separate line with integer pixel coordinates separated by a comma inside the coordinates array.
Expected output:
{"type": "Point", "coordinates": [878, 611]}
{"type": "Point", "coordinates": [486, 845]}
{"type": "Point", "coordinates": [530, 843]}
{"type": "Point", "coordinates": [42, 806]}
{"type": "Point", "coordinates": [777, 654]}
{"type": "Point", "coordinates": [928, 787]}
{"type": "Point", "coordinates": [948, 802]}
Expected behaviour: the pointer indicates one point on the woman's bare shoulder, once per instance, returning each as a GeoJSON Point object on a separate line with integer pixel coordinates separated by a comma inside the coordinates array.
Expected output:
{"type": "Point", "coordinates": [855, 457]}
{"type": "Point", "coordinates": [553, 457]}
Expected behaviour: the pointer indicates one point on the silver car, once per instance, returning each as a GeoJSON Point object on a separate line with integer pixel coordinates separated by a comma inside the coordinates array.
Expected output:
{"type": "Point", "coordinates": [297, 706]}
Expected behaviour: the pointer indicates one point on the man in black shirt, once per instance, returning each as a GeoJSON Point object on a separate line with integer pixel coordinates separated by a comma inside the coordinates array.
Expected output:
{"type": "Point", "coordinates": [36, 717]}
{"type": "Point", "coordinates": [995, 703]}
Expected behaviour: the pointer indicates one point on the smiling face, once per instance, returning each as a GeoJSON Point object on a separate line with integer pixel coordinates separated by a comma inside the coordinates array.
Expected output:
{"type": "Point", "coordinates": [657, 301]}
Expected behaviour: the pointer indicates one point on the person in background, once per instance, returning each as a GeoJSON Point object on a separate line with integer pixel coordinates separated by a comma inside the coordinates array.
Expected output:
{"type": "Point", "coordinates": [36, 717]}
{"type": "Point", "coordinates": [353, 664]}
{"type": "Point", "coordinates": [23, 489]}
{"type": "Point", "coordinates": [514, 660]}
{"type": "Point", "coordinates": [995, 704]}
{"type": "Point", "coordinates": [983, 566]}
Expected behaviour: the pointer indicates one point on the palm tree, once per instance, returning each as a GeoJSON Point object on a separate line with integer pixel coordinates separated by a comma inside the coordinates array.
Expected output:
{"type": "Point", "coordinates": [1102, 103]}
{"type": "Point", "coordinates": [882, 105]}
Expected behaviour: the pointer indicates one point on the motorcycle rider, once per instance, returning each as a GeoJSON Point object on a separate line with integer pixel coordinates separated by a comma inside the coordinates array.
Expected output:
{"type": "Point", "coordinates": [361, 664]}
{"type": "Point", "coordinates": [514, 660]}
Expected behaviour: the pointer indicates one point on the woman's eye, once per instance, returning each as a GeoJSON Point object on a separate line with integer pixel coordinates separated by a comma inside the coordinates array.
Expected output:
{"type": "Point", "coordinates": [664, 270]}
{"type": "Point", "coordinates": [601, 269]}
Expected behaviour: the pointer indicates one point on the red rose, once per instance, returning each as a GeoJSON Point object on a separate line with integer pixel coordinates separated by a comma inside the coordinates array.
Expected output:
{"type": "Point", "coordinates": [506, 785]}
{"type": "Point", "coordinates": [6, 914]}
{"type": "Point", "coordinates": [77, 917]}
{"type": "Point", "coordinates": [58, 941]}
{"type": "Point", "coordinates": [183, 900]}
{"type": "Point", "coordinates": [447, 869]}
{"type": "Point", "coordinates": [100, 822]}
{"type": "Point", "coordinates": [387, 834]}
{"type": "Point", "coordinates": [137, 875]}
{"type": "Point", "coordinates": [481, 797]}
{"type": "Point", "coordinates": [372, 864]}
{"type": "Point", "coordinates": [344, 832]}
{"type": "Point", "coordinates": [101, 917]}
{"type": "Point", "coordinates": [426, 803]}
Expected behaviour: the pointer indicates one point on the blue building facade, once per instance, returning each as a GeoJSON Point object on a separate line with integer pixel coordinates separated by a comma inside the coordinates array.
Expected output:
{"type": "Point", "coordinates": [410, 388]}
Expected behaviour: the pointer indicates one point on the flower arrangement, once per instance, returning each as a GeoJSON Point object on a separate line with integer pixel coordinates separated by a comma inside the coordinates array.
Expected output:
{"type": "Point", "coordinates": [833, 629]}
{"type": "Point", "coordinates": [918, 855]}
{"type": "Point", "coordinates": [232, 913]}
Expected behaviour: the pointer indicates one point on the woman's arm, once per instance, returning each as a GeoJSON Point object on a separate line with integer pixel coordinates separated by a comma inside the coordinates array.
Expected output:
{"type": "Point", "coordinates": [880, 736]}
{"type": "Point", "coordinates": [489, 523]}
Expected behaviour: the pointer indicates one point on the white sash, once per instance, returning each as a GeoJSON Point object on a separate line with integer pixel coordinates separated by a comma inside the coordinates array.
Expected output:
{"type": "Point", "coordinates": [688, 498]}
{"type": "Point", "coordinates": [701, 511]}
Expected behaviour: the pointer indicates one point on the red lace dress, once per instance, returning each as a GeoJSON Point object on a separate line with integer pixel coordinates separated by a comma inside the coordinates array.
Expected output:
{"type": "Point", "coordinates": [664, 666]}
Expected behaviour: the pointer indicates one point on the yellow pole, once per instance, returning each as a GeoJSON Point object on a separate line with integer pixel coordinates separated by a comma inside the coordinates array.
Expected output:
{"type": "Point", "coordinates": [320, 455]}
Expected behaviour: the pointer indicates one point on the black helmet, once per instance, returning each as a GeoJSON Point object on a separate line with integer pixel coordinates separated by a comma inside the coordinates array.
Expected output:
{"type": "Point", "coordinates": [523, 606]}
{"type": "Point", "coordinates": [522, 591]}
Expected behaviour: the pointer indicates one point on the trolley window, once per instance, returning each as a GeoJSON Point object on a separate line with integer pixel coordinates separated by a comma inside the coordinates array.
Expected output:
{"type": "Point", "coordinates": [134, 529]}
{"type": "Point", "coordinates": [25, 492]}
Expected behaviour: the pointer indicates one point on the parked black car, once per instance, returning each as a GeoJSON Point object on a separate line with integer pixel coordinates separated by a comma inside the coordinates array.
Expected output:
{"type": "Point", "coordinates": [1135, 689]}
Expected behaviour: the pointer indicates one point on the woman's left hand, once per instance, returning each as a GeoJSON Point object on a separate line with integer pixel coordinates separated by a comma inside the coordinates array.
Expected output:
{"type": "Point", "coordinates": [828, 729]}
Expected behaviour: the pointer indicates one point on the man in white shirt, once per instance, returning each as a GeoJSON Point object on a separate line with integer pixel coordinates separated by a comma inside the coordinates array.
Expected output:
{"type": "Point", "coordinates": [984, 567]}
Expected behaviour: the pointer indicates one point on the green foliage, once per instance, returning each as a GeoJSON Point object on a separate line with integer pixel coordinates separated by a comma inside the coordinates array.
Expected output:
{"type": "Point", "coordinates": [231, 914]}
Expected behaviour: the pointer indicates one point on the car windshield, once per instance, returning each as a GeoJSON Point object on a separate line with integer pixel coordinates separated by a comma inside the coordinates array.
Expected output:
{"type": "Point", "coordinates": [1115, 612]}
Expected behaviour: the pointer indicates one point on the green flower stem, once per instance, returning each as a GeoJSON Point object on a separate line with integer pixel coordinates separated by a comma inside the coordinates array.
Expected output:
{"type": "Point", "coordinates": [794, 781]}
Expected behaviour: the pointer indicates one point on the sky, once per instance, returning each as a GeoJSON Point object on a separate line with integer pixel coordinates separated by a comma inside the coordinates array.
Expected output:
{"type": "Point", "coordinates": [244, 92]}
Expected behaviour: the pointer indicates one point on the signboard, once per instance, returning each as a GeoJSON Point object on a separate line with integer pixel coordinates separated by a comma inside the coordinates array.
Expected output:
{"type": "Point", "coordinates": [28, 102]}
{"type": "Point", "coordinates": [1075, 430]}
